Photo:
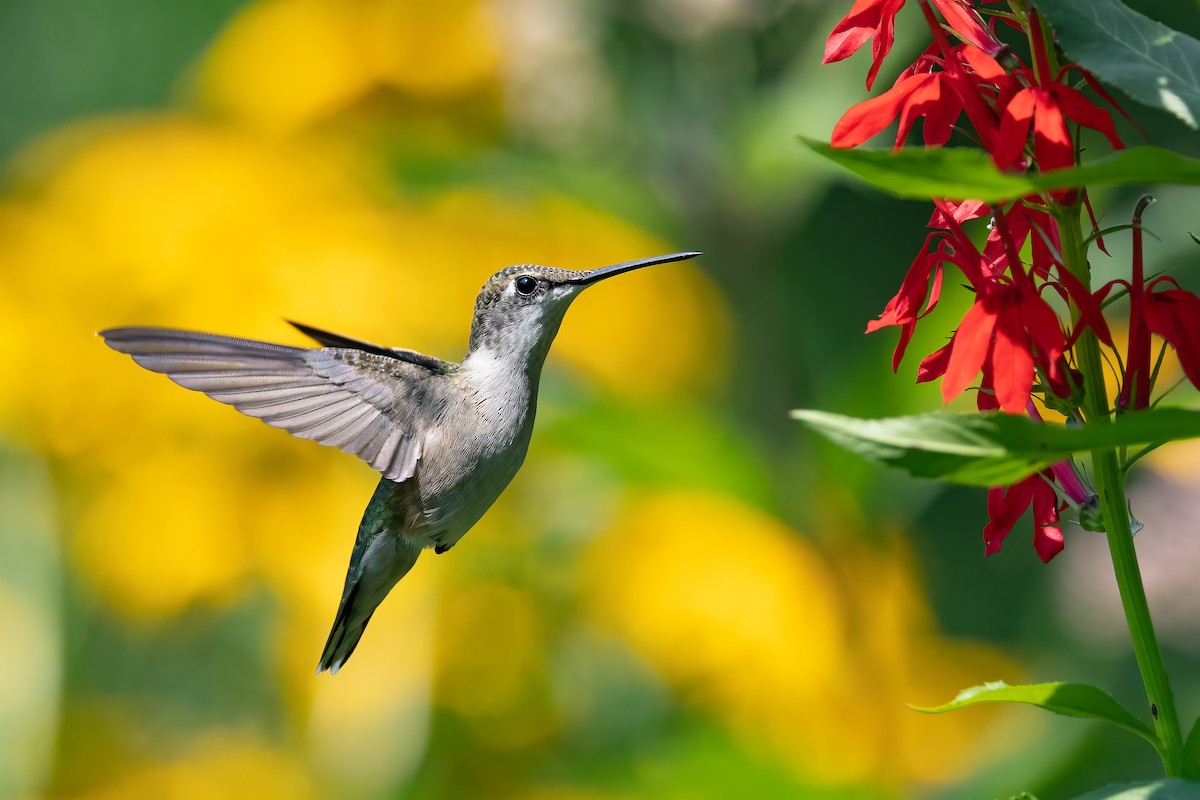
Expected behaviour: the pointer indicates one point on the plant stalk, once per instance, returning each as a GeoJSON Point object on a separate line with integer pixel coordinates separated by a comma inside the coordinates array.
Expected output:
{"type": "Point", "coordinates": [1110, 485]}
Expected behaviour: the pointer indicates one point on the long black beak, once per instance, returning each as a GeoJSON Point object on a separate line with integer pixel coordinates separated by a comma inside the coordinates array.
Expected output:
{"type": "Point", "coordinates": [594, 275]}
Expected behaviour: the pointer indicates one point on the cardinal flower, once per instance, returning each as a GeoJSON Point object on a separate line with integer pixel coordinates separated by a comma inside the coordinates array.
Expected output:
{"type": "Point", "coordinates": [1050, 492]}
{"type": "Point", "coordinates": [936, 87]}
{"type": "Point", "coordinates": [1044, 109]}
{"type": "Point", "coordinates": [1173, 314]}
{"type": "Point", "coordinates": [875, 20]}
{"type": "Point", "coordinates": [868, 19]}
{"type": "Point", "coordinates": [1006, 504]}
{"type": "Point", "coordinates": [1008, 332]}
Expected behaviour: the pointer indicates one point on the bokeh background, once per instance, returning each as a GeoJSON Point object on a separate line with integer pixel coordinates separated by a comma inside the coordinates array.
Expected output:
{"type": "Point", "coordinates": [681, 595]}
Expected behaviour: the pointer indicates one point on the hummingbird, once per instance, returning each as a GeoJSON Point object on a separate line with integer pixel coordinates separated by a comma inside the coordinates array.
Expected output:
{"type": "Point", "coordinates": [446, 438]}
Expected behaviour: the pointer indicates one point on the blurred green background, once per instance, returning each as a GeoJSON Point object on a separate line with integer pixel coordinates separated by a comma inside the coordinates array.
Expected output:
{"type": "Point", "coordinates": [681, 595]}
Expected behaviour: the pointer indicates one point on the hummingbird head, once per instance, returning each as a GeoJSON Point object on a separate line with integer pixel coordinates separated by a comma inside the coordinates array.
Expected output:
{"type": "Point", "coordinates": [519, 309]}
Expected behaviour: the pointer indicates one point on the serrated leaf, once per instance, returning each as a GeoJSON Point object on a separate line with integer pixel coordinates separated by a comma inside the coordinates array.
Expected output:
{"type": "Point", "coordinates": [993, 449]}
{"type": "Point", "coordinates": [1191, 753]}
{"type": "Point", "coordinates": [961, 173]}
{"type": "Point", "coordinates": [1153, 64]}
{"type": "Point", "coordinates": [1069, 699]}
{"type": "Point", "coordinates": [1170, 789]}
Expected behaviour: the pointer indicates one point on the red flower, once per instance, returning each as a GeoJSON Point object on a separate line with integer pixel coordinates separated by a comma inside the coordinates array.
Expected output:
{"type": "Point", "coordinates": [1049, 492]}
{"type": "Point", "coordinates": [1173, 314]}
{"type": "Point", "coordinates": [1045, 108]}
{"type": "Point", "coordinates": [1005, 506]}
{"type": "Point", "coordinates": [1011, 333]}
{"type": "Point", "coordinates": [904, 309]}
{"type": "Point", "coordinates": [968, 26]}
{"type": "Point", "coordinates": [933, 88]}
{"type": "Point", "coordinates": [875, 20]}
{"type": "Point", "coordinates": [868, 19]}
{"type": "Point", "coordinates": [1008, 331]}
{"type": "Point", "coordinates": [913, 95]}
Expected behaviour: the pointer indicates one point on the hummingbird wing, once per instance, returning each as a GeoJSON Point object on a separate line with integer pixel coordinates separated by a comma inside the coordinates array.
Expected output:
{"type": "Point", "coordinates": [330, 339]}
{"type": "Point", "coordinates": [362, 403]}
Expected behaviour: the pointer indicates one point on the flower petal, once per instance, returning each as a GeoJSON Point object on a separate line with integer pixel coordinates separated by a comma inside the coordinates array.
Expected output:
{"type": "Point", "coordinates": [864, 120]}
{"type": "Point", "coordinates": [933, 366]}
{"type": "Point", "coordinates": [1045, 331]}
{"type": "Point", "coordinates": [1090, 313]}
{"type": "Point", "coordinates": [1005, 506]}
{"type": "Point", "coordinates": [1011, 362]}
{"type": "Point", "coordinates": [946, 210]}
{"type": "Point", "coordinates": [1014, 129]}
{"type": "Point", "coordinates": [1053, 146]}
{"type": "Point", "coordinates": [906, 305]}
{"type": "Point", "coordinates": [1076, 106]}
{"type": "Point", "coordinates": [968, 349]}
{"type": "Point", "coordinates": [1174, 315]}
{"type": "Point", "coordinates": [983, 65]}
{"type": "Point", "coordinates": [940, 117]}
{"type": "Point", "coordinates": [868, 19]}
{"type": "Point", "coordinates": [968, 26]}
{"type": "Point", "coordinates": [1047, 535]}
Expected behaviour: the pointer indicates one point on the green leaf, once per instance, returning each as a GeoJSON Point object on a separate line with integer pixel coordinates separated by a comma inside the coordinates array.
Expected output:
{"type": "Point", "coordinates": [957, 173]}
{"type": "Point", "coordinates": [960, 173]}
{"type": "Point", "coordinates": [992, 449]}
{"type": "Point", "coordinates": [1150, 62]}
{"type": "Point", "coordinates": [1068, 699]}
{"type": "Point", "coordinates": [1191, 753]}
{"type": "Point", "coordinates": [1170, 789]}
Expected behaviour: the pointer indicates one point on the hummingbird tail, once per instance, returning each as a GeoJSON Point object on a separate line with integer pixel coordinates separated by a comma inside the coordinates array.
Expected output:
{"type": "Point", "coordinates": [343, 638]}
{"type": "Point", "coordinates": [364, 592]}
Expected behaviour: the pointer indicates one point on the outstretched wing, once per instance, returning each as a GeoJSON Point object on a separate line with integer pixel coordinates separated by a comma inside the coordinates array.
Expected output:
{"type": "Point", "coordinates": [361, 403]}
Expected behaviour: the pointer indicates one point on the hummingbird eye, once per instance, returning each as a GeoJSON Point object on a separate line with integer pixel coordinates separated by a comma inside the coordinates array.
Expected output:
{"type": "Point", "coordinates": [526, 285]}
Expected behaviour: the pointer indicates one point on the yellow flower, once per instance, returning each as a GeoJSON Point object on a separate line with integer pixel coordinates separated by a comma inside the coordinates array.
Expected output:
{"type": "Point", "coordinates": [160, 535]}
{"type": "Point", "coordinates": [285, 64]}
{"type": "Point", "coordinates": [220, 765]}
{"type": "Point", "coordinates": [749, 621]}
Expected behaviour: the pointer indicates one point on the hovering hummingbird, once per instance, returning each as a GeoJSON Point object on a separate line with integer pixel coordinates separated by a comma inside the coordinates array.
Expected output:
{"type": "Point", "coordinates": [447, 438]}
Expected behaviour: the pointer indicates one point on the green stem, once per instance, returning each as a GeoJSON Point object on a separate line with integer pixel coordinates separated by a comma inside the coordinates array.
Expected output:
{"type": "Point", "coordinates": [1110, 485]}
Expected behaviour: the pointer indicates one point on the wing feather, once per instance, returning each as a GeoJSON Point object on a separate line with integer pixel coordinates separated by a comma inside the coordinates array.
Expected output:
{"type": "Point", "coordinates": [363, 403]}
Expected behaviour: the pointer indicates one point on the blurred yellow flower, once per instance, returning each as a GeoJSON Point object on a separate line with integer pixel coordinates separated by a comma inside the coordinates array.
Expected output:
{"type": "Point", "coordinates": [219, 765]}
{"type": "Point", "coordinates": [898, 657]}
{"type": "Point", "coordinates": [285, 64]}
{"type": "Point", "coordinates": [745, 616]}
{"type": "Point", "coordinates": [152, 559]}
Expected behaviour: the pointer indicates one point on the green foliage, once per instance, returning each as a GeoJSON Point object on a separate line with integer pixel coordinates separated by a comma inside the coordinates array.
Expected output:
{"type": "Point", "coordinates": [964, 173]}
{"type": "Point", "coordinates": [1150, 62]}
{"type": "Point", "coordinates": [1191, 753]}
{"type": "Point", "coordinates": [989, 450]}
{"type": "Point", "coordinates": [1173, 789]}
{"type": "Point", "coordinates": [1068, 699]}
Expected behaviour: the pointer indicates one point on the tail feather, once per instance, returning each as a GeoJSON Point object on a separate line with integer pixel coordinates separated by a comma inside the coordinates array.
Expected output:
{"type": "Point", "coordinates": [343, 637]}
{"type": "Point", "coordinates": [367, 583]}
